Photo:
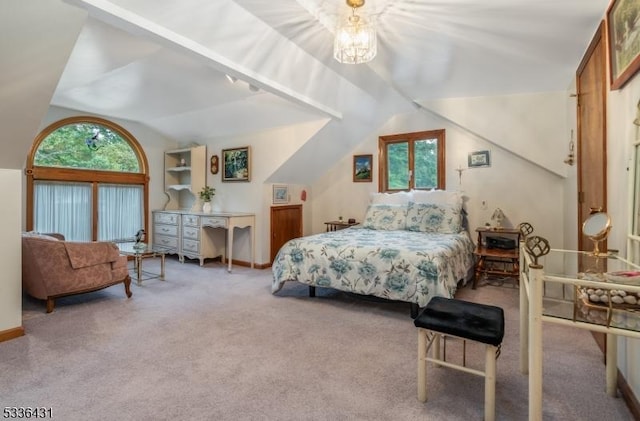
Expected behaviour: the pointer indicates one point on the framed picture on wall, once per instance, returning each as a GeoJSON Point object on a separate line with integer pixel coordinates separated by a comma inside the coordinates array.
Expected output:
{"type": "Point", "coordinates": [236, 164]}
{"type": "Point", "coordinates": [280, 194]}
{"type": "Point", "coordinates": [479, 159]}
{"type": "Point", "coordinates": [624, 48]}
{"type": "Point", "coordinates": [362, 168]}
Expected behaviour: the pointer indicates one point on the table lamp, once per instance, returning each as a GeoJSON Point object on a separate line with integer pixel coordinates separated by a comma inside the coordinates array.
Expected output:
{"type": "Point", "coordinates": [497, 216]}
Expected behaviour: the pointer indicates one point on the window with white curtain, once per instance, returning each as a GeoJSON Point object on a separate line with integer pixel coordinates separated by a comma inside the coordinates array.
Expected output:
{"type": "Point", "coordinates": [87, 179]}
{"type": "Point", "coordinates": [63, 208]}
{"type": "Point", "coordinates": [120, 211]}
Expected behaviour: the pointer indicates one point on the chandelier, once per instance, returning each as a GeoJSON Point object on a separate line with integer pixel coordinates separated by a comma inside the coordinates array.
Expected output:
{"type": "Point", "coordinates": [355, 40]}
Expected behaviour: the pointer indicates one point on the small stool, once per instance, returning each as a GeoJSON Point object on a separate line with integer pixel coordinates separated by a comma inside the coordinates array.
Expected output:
{"type": "Point", "coordinates": [468, 321]}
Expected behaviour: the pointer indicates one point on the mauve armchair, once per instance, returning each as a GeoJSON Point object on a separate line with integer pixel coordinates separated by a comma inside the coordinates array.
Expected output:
{"type": "Point", "coordinates": [52, 267]}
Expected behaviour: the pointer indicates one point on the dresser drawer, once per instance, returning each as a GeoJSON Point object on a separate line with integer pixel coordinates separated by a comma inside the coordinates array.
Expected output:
{"type": "Point", "coordinates": [162, 229]}
{"type": "Point", "coordinates": [165, 218]}
{"type": "Point", "coordinates": [192, 233]}
{"type": "Point", "coordinates": [191, 246]}
{"type": "Point", "coordinates": [214, 222]}
{"type": "Point", "coordinates": [191, 220]}
{"type": "Point", "coordinates": [166, 241]}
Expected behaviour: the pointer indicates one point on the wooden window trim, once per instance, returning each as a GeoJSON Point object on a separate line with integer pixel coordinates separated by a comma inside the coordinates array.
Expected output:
{"type": "Point", "coordinates": [383, 141]}
{"type": "Point", "coordinates": [95, 177]}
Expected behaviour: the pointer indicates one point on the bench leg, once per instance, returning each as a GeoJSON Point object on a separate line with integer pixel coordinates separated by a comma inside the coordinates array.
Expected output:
{"type": "Point", "coordinates": [422, 365]}
{"type": "Point", "coordinates": [490, 383]}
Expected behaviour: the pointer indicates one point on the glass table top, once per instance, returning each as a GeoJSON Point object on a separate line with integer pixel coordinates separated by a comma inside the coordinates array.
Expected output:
{"type": "Point", "coordinates": [614, 299]}
{"type": "Point", "coordinates": [133, 249]}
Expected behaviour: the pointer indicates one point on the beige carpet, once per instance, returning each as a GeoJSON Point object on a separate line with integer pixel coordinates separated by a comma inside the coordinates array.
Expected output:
{"type": "Point", "coordinates": [208, 345]}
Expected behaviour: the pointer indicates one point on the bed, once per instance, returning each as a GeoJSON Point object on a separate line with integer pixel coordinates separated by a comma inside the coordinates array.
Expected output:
{"type": "Point", "coordinates": [409, 248]}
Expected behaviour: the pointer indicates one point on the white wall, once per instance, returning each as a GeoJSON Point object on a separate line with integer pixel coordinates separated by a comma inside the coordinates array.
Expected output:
{"type": "Point", "coordinates": [524, 190]}
{"type": "Point", "coordinates": [268, 150]}
{"type": "Point", "coordinates": [31, 65]}
{"type": "Point", "coordinates": [10, 250]}
{"type": "Point", "coordinates": [621, 133]}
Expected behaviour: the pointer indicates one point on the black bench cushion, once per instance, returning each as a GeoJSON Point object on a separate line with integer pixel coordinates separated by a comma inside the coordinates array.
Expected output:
{"type": "Point", "coordinates": [473, 321]}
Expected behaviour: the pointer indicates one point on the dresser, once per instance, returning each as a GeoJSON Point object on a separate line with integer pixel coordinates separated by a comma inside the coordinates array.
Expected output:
{"type": "Point", "coordinates": [192, 234]}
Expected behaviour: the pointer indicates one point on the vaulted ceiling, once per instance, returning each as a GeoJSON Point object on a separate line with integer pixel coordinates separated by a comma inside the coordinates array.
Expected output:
{"type": "Point", "coordinates": [163, 62]}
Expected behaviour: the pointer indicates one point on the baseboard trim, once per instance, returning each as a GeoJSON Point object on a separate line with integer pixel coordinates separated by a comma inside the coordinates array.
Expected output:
{"type": "Point", "coordinates": [625, 390]}
{"type": "Point", "coordinates": [9, 334]}
{"type": "Point", "coordinates": [628, 396]}
{"type": "Point", "coordinates": [248, 264]}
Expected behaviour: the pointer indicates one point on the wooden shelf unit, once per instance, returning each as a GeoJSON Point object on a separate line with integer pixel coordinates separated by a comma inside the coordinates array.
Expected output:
{"type": "Point", "coordinates": [185, 174]}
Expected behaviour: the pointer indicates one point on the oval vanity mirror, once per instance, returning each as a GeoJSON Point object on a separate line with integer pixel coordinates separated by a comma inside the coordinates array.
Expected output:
{"type": "Point", "coordinates": [597, 227]}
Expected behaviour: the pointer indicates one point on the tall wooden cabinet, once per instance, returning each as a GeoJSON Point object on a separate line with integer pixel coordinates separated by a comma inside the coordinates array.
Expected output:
{"type": "Point", "coordinates": [185, 174]}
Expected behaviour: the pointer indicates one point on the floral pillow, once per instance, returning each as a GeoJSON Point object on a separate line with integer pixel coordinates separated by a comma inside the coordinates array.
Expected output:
{"type": "Point", "coordinates": [386, 217]}
{"type": "Point", "coordinates": [427, 217]}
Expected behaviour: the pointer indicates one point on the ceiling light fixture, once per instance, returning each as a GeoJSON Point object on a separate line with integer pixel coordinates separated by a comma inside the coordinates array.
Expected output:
{"type": "Point", "coordinates": [355, 40]}
{"type": "Point", "coordinates": [231, 79]}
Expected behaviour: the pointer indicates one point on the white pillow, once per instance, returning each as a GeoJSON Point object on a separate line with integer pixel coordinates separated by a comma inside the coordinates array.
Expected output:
{"type": "Point", "coordinates": [399, 198]}
{"type": "Point", "coordinates": [437, 197]}
{"type": "Point", "coordinates": [385, 217]}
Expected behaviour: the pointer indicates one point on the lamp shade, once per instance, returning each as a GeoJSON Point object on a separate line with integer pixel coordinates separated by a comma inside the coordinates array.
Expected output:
{"type": "Point", "coordinates": [497, 216]}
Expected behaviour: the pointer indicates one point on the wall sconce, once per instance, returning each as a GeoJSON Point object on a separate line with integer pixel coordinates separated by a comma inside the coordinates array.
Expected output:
{"type": "Point", "coordinates": [498, 216]}
{"type": "Point", "coordinates": [571, 158]}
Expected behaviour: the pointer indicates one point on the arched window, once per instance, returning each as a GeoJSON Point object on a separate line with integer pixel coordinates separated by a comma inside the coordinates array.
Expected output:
{"type": "Point", "coordinates": [87, 179]}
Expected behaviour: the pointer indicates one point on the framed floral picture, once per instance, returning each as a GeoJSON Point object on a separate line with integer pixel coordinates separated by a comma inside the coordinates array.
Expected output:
{"type": "Point", "coordinates": [280, 194]}
{"type": "Point", "coordinates": [362, 168]}
{"type": "Point", "coordinates": [236, 164]}
{"type": "Point", "coordinates": [624, 41]}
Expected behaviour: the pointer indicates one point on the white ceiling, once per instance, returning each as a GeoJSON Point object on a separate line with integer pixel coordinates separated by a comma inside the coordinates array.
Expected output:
{"type": "Point", "coordinates": [163, 62]}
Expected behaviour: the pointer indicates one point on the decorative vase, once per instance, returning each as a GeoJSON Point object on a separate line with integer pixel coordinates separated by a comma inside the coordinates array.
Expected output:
{"type": "Point", "coordinates": [206, 207]}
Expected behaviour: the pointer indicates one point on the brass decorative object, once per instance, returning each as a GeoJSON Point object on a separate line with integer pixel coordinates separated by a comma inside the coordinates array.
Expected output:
{"type": "Point", "coordinates": [525, 229]}
{"type": "Point", "coordinates": [537, 247]}
{"type": "Point", "coordinates": [597, 227]}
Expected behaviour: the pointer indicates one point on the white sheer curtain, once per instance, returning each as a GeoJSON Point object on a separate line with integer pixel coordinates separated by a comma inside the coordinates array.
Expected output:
{"type": "Point", "coordinates": [63, 208]}
{"type": "Point", "coordinates": [120, 211]}
{"type": "Point", "coordinates": [66, 208]}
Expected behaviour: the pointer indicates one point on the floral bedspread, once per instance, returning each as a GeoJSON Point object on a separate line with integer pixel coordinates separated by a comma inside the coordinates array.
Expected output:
{"type": "Point", "coordinates": [397, 265]}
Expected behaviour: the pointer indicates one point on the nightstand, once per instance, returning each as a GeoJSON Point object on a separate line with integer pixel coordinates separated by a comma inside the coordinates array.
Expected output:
{"type": "Point", "coordinates": [339, 225]}
{"type": "Point", "coordinates": [497, 253]}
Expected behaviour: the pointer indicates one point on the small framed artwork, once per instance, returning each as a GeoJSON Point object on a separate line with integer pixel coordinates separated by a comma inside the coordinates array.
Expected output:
{"type": "Point", "coordinates": [362, 168]}
{"type": "Point", "coordinates": [214, 164]}
{"type": "Point", "coordinates": [624, 48]}
{"type": "Point", "coordinates": [479, 159]}
{"type": "Point", "coordinates": [236, 164]}
{"type": "Point", "coordinates": [280, 194]}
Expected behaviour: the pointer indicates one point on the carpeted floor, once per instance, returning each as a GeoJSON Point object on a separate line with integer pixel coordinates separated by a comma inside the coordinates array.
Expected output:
{"type": "Point", "coordinates": [208, 345]}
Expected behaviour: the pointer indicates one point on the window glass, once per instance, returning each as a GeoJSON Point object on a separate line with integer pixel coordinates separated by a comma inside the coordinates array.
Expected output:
{"type": "Point", "coordinates": [398, 165]}
{"type": "Point", "coordinates": [425, 164]}
{"type": "Point", "coordinates": [86, 146]}
{"type": "Point", "coordinates": [412, 161]}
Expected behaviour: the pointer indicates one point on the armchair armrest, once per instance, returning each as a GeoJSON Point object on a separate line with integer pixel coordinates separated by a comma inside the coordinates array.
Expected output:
{"type": "Point", "coordinates": [90, 254]}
